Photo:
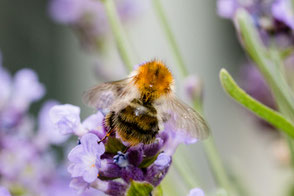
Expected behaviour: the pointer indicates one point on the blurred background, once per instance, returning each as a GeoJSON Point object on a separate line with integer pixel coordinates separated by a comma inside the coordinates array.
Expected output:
{"type": "Point", "coordinates": [30, 37]}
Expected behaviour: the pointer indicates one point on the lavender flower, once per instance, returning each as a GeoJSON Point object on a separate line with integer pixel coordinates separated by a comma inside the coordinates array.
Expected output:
{"type": "Point", "coordinates": [193, 88]}
{"type": "Point", "coordinates": [88, 18]}
{"type": "Point", "coordinates": [85, 158]}
{"type": "Point", "coordinates": [16, 95]}
{"type": "Point", "coordinates": [67, 120]}
{"type": "Point", "coordinates": [273, 19]}
{"type": "Point", "coordinates": [112, 166]}
{"type": "Point", "coordinates": [196, 192]}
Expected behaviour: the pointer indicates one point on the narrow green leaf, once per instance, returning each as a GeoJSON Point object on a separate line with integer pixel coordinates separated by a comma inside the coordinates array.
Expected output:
{"type": "Point", "coordinates": [139, 189]}
{"type": "Point", "coordinates": [264, 112]}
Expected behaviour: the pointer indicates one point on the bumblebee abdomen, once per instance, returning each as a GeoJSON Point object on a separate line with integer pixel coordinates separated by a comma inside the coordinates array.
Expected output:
{"type": "Point", "coordinates": [136, 123]}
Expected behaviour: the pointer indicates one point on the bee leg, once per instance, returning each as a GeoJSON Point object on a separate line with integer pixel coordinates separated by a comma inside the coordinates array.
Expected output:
{"type": "Point", "coordinates": [106, 136]}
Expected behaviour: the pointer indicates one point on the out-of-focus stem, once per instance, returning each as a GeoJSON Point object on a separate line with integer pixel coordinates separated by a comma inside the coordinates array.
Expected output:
{"type": "Point", "coordinates": [210, 148]}
{"type": "Point", "coordinates": [119, 34]}
{"type": "Point", "coordinates": [170, 37]}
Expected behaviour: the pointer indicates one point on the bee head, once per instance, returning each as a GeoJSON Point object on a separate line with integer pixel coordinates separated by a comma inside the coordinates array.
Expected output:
{"type": "Point", "coordinates": [153, 79]}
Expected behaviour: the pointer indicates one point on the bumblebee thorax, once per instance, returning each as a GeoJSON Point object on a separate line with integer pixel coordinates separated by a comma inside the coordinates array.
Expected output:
{"type": "Point", "coordinates": [153, 79]}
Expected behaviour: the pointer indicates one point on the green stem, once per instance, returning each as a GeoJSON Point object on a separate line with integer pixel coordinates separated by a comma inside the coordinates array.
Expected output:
{"type": "Point", "coordinates": [264, 112]}
{"type": "Point", "coordinates": [170, 37]}
{"type": "Point", "coordinates": [181, 167]}
{"type": "Point", "coordinates": [119, 34]}
{"type": "Point", "coordinates": [210, 148]}
{"type": "Point", "coordinates": [217, 166]}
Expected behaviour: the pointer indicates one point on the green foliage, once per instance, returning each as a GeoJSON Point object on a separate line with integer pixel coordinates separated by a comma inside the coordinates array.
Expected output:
{"type": "Point", "coordinates": [264, 112]}
{"type": "Point", "coordinates": [139, 189]}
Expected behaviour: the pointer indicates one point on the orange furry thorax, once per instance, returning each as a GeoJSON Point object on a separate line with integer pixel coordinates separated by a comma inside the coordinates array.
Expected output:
{"type": "Point", "coordinates": [153, 79]}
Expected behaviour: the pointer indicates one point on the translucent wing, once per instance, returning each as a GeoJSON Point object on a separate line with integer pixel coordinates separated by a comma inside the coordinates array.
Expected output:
{"type": "Point", "coordinates": [183, 117]}
{"type": "Point", "coordinates": [103, 95]}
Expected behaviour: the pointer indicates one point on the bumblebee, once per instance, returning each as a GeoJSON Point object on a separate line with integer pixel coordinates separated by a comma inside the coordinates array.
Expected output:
{"type": "Point", "coordinates": [140, 104]}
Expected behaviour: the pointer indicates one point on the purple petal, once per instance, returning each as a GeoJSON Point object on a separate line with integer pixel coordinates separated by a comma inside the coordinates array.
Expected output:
{"type": "Point", "coordinates": [94, 122]}
{"type": "Point", "coordinates": [116, 188]}
{"type": "Point", "coordinates": [66, 118]}
{"type": "Point", "coordinates": [227, 8]}
{"type": "Point", "coordinates": [163, 160]}
{"type": "Point", "coordinates": [90, 145]}
{"type": "Point", "coordinates": [283, 11]}
{"type": "Point", "coordinates": [79, 184]}
{"type": "Point", "coordinates": [47, 130]}
{"type": "Point", "coordinates": [157, 171]}
{"type": "Point", "coordinates": [132, 173]}
{"type": "Point", "coordinates": [135, 155]}
{"type": "Point", "coordinates": [4, 192]}
{"type": "Point", "coordinates": [66, 11]}
{"type": "Point", "coordinates": [91, 174]}
{"type": "Point", "coordinates": [76, 153]}
{"type": "Point", "coordinates": [109, 169]}
{"type": "Point", "coordinates": [175, 138]}
{"type": "Point", "coordinates": [196, 192]}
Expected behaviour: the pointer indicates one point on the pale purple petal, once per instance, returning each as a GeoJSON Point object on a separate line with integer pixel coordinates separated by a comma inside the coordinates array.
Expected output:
{"type": "Point", "coordinates": [91, 174]}
{"type": "Point", "coordinates": [176, 137]}
{"type": "Point", "coordinates": [66, 118]}
{"type": "Point", "coordinates": [227, 8]}
{"type": "Point", "coordinates": [89, 142]}
{"type": "Point", "coordinates": [94, 122]}
{"type": "Point", "coordinates": [283, 11]}
{"type": "Point", "coordinates": [196, 192]}
{"type": "Point", "coordinates": [75, 153]}
{"type": "Point", "coordinates": [162, 160]}
{"type": "Point", "coordinates": [66, 11]}
{"type": "Point", "coordinates": [26, 88]}
{"type": "Point", "coordinates": [47, 130]}
{"type": "Point", "coordinates": [4, 192]}
{"type": "Point", "coordinates": [85, 158]}
{"type": "Point", "coordinates": [79, 184]}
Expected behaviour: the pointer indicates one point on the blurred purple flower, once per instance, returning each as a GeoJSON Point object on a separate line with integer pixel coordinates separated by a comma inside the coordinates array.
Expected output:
{"type": "Point", "coordinates": [193, 88]}
{"type": "Point", "coordinates": [88, 18]}
{"type": "Point", "coordinates": [273, 19]}
{"type": "Point", "coordinates": [196, 192]}
{"type": "Point", "coordinates": [85, 158]}
{"type": "Point", "coordinates": [26, 89]}
{"type": "Point", "coordinates": [66, 118]}
{"type": "Point", "coordinates": [47, 134]}
{"type": "Point", "coordinates": [254, 84]}
{"type": "Point", "coordinates": [283, 11]}
{"type": "Point", "coordinates": [16, 95]}
{"type": "Point", "coordinates": [227, 8]}
{"type": "Point", "coordinates": [4, 192]}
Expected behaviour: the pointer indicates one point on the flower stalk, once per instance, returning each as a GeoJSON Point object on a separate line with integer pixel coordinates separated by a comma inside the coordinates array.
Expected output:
{"type": "Point", "coordinates": [269, 63]}
{"type": "Point", "coordinates": [171, 39]}
{"type": "Point", "coordinates": [119, 34]}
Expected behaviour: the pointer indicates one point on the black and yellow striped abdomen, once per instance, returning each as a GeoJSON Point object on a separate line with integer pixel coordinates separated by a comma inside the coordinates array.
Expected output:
{"type": "Point", "coordinates": [136, 123]}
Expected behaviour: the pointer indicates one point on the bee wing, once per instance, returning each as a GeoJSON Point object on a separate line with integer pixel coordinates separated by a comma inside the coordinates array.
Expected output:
{"type": "Point", "coordinates": [184, 118]}
{"type": "Point", "coordinates": [103, 95]}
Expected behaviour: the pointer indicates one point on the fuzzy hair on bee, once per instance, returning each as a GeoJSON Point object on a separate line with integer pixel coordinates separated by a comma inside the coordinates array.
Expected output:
{"type": "Point", "coordinates": [140, 104]}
